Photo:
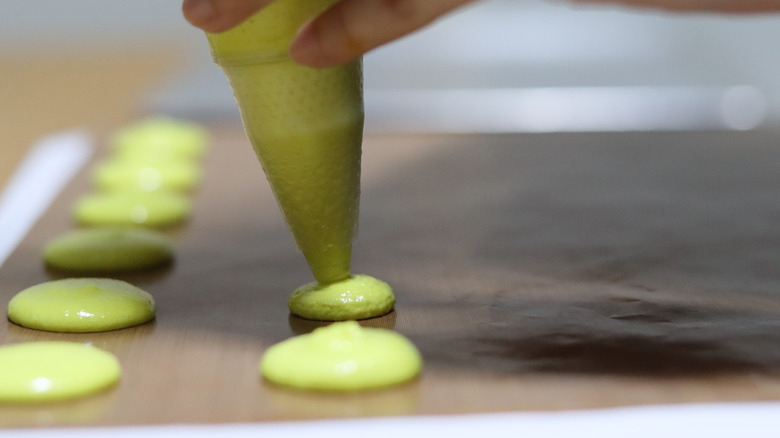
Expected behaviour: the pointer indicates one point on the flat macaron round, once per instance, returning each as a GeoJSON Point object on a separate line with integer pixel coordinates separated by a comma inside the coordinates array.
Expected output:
{"type": "Point", "coordinates": [109, 249]}
{"type": "Point", "coordinates": [38, 372]}
{"type": "Point", "coordinates": [151, 209]}
{"type": "Point", "coordinates": [118, 175]}
{"type": "Point", "coordinates": [357, 297]}
{"type": "Point", "coordinates": [342, 357]}
{"type": "Point", "coordinates": [81, 305]}
{"type": "Point", "coordinates": [160, 139]}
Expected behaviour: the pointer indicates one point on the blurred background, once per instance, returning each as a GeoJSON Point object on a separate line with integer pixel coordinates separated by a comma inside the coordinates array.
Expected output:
{"type": "Point", "coordinates": [496, 66]}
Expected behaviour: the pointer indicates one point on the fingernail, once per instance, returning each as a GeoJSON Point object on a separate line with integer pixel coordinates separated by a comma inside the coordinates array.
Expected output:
{"type": "Point", "coordinates": [198, 12]}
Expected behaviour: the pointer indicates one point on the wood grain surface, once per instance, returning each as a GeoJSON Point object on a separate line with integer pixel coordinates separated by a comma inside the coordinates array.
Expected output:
{"type": "Point", "coordinates": [534, 272]}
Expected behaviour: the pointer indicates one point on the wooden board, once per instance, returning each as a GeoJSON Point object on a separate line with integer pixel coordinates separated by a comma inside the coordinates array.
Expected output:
{"type": "Point", "coordinates": [45, 91]}
{"type": "Point", "coordinates": [534, 272]}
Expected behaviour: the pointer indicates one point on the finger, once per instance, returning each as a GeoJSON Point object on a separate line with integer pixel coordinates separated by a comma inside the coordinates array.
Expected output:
{"type": "Point", "coordinates": [220, 15]}
{"type": "Point", "coordinates": [353, 27]}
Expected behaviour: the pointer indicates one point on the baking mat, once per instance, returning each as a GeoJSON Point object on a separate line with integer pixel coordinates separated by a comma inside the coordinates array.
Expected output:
{"type": "Point", "coordinates": [534, 272]}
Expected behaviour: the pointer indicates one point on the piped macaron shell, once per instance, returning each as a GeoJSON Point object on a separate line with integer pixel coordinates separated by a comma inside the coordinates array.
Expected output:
{"type": "Point", "coordinates": [109, 249]}
{"type": "Point", "coordinates": [81, 305]}
{"type": "Point", "coordinates": [342, 357]}
{"type": "Point", "coordinates": [159, 140]}
{"type": "Point", "coordinates": [357, 297]}
{"type": "Point", "coordinates": [152, 209]}
{"type": "Point", "coordinates": [121, 175]}
{"type": "Point", "coordinates": [39, 372]}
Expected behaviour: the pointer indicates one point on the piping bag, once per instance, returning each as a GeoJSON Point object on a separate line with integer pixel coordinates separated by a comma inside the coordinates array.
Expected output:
{"type": "Point", "coordinates": [306, 127]}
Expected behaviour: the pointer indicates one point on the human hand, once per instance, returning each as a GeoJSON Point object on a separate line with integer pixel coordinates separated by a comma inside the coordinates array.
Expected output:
{"type": "Point", "coordinates": [342, 33]}
{"type": "Point", "coordinates": [353, 27]}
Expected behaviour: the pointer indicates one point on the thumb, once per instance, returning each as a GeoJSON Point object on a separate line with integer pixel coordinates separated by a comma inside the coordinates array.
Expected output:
{"type": "Point", "coordinates": [353, 27]}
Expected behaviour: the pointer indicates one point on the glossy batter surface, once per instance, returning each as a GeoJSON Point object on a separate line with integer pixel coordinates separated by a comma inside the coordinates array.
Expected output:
{"type": "Point", "coordinates": [357, 297]}
{"type": "Point", "coordinates": [81, 305]}
{"type": "Point", "coordinates": [155, 209]}
{"type": "Point", "coordinates": [54, 371]}
{"type": "Point", "coordinates": [109, 249]}
{"type": "Point", "coordinates": [342, 357]}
